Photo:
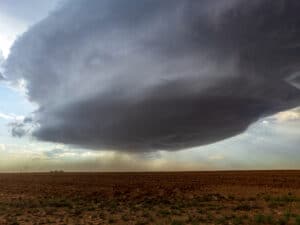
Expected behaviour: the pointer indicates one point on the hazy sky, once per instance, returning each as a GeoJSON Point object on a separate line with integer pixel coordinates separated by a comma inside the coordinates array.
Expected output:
{"type": "Point", "coordinates": [149, 85]}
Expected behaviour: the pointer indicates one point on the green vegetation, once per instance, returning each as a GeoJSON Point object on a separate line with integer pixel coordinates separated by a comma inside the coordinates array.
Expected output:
{"type": "Point", "coordinates": [177, 222]}
{"type": "Point", "coordinates": [237, 221]}
{"type": "Point", "coordinates": [263, 219]}
{"type": "Point", "coordinates": [297, 220]}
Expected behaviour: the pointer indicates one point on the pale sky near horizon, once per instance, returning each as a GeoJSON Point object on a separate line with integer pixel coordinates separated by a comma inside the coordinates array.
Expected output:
{"type": "Point", "coordinates": [269, 143]}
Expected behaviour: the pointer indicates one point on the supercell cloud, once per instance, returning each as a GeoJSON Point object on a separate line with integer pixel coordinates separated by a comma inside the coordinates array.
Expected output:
{"type": "Point", "coordinates": [146, 75]}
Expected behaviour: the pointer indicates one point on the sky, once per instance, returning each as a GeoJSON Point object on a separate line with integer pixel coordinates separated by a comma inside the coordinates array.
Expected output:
{"type": "Point", "coordinates": [149, 85]}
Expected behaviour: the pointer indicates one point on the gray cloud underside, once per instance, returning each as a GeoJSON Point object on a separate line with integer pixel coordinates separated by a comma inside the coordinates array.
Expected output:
{"type": "Point", "coordinates": [144, 75]}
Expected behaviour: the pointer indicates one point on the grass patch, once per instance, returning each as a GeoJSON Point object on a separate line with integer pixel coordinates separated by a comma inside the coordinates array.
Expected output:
{"type": "Point", "coordinates": [237, 221]}
{"type": "Point", "coordinates": [263, 219]}
{"type": "Point", "coordinates": [297, 220]}
{"type": "Point", "coordinates": [177, 222]}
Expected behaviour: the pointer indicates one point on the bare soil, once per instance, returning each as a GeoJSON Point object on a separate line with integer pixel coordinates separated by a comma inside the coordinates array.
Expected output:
{"type": "Point", "coordinates": [232, 197]}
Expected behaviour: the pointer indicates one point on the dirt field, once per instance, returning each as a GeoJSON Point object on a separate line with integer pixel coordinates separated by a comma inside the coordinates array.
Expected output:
{"type": "Point", "coordinates": [260, 197]}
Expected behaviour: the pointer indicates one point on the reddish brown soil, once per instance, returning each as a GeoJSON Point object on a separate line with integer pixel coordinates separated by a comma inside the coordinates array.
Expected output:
{"type": "Point", "coordinates": [248, 197]}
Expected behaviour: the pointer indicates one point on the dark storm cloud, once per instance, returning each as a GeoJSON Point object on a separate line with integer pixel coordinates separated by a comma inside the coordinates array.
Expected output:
{"type": "Point", "coordinates": [23, 10]}
{"type": "Point", "coordinates": [143, 75]}
{"type": "Point", "coordinates": [20, 128]}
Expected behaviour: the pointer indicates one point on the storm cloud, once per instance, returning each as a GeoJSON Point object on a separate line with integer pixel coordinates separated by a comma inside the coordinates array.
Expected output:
{"type": "Point", "coordinates": [146, 75]}
{"type": "Point", "coordinates": [21, 126]}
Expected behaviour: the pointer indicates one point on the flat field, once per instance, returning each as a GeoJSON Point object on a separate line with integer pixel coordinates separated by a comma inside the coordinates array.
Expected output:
{"type": "Point", "coordinates": [232, 197]}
